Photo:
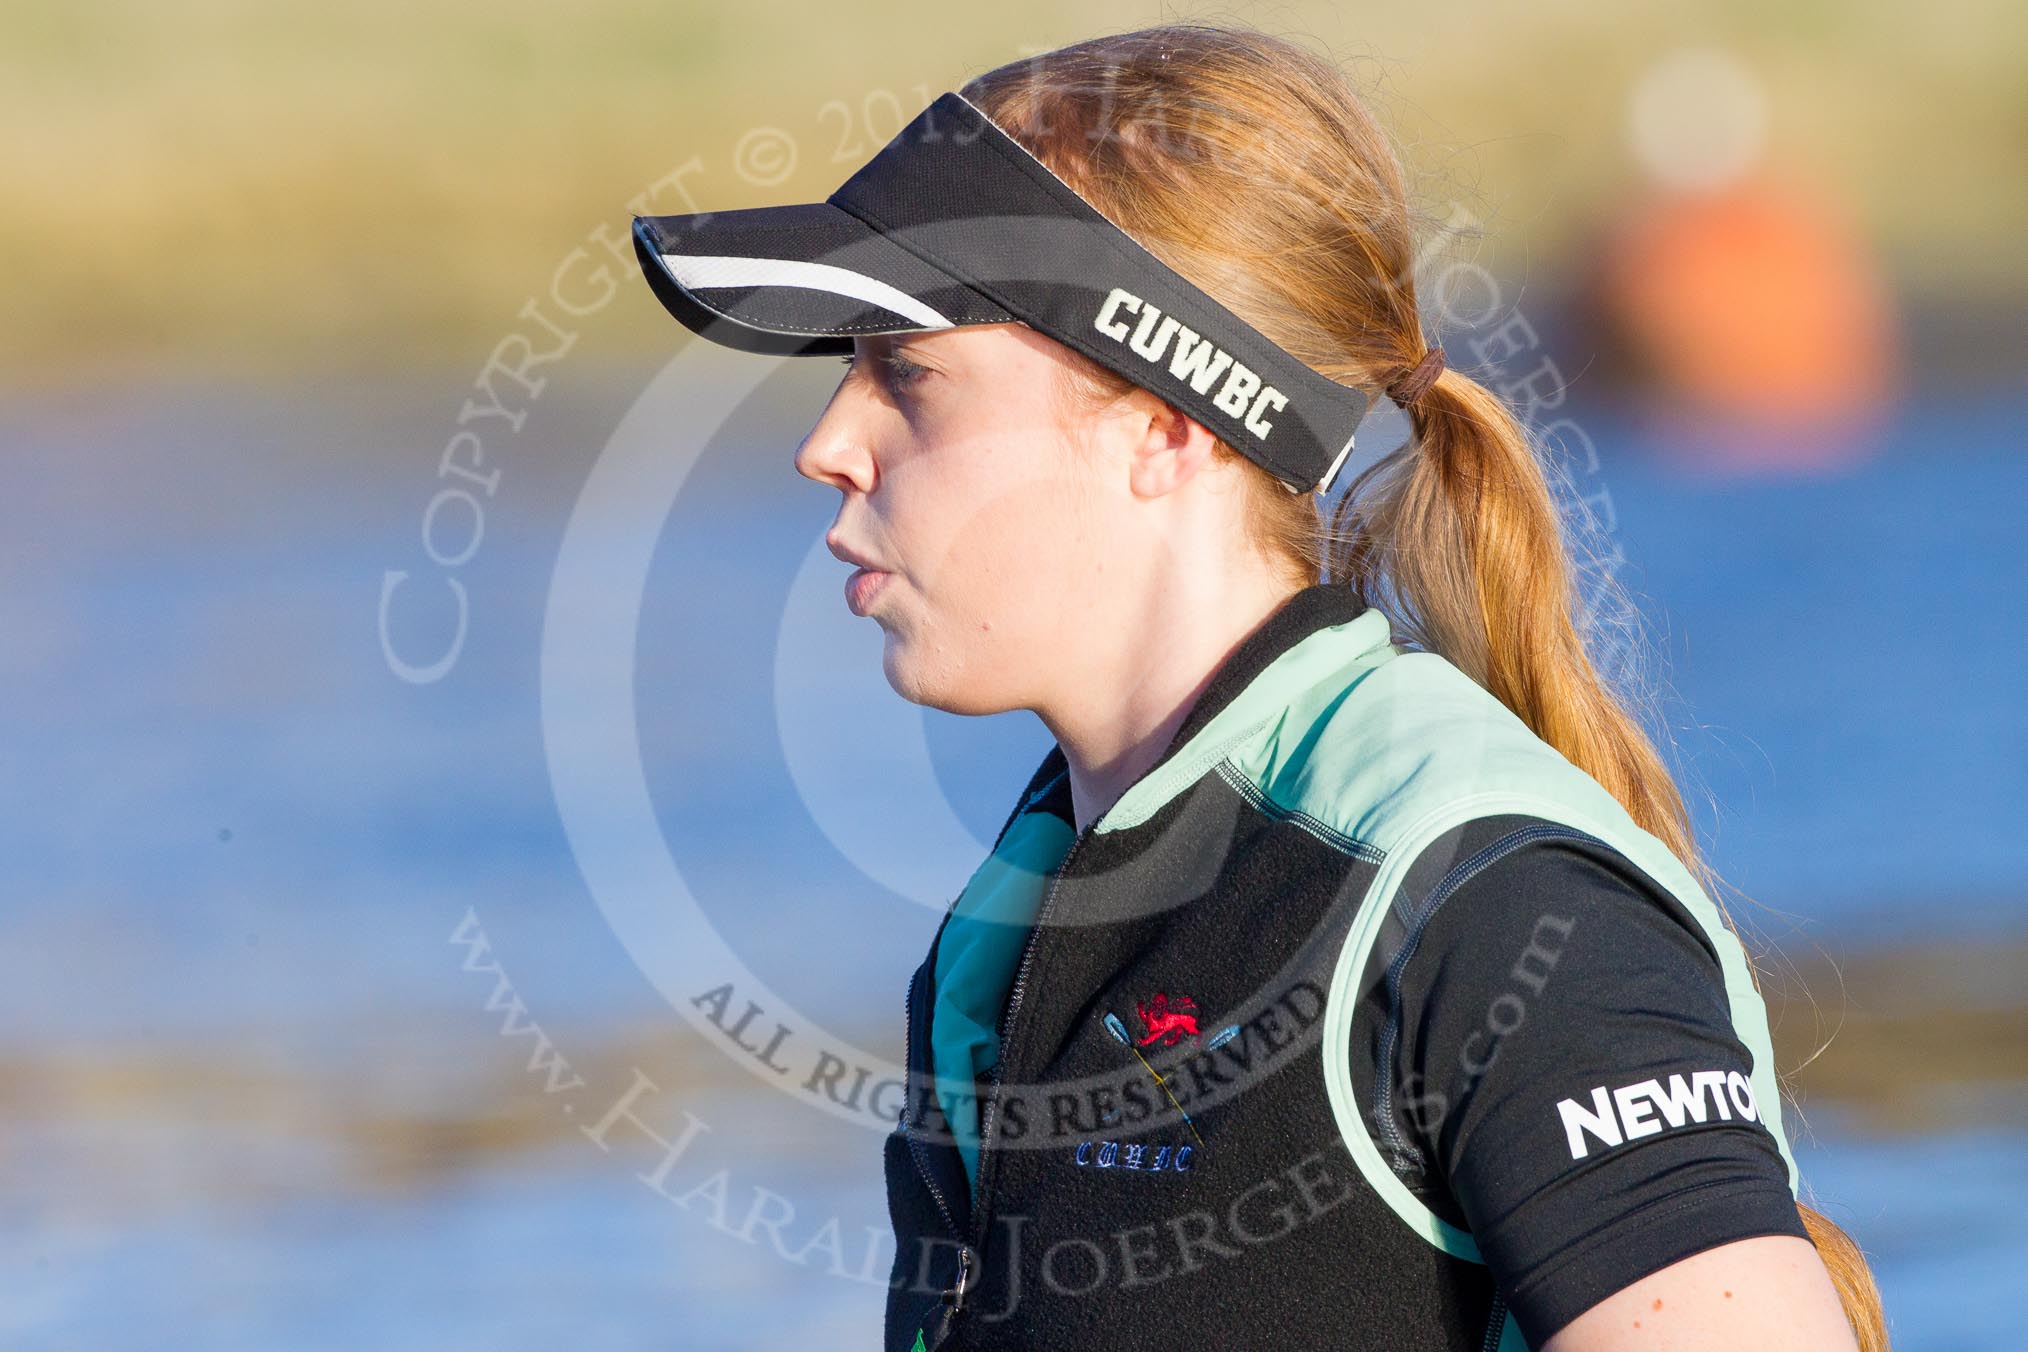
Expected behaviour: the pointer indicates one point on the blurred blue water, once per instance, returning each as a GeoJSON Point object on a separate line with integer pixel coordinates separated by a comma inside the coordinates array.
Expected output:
{"type": "Point", "coordinates": [541, 1250]}
{"type": "Point", "coordinates": [1846, 650]}
{"type": "Point", "coordinates": [229, 824]}
{"type": "Point", "coordinates": [1944, 1222]}
{"type": "Point", "coordinates": [211, 761]}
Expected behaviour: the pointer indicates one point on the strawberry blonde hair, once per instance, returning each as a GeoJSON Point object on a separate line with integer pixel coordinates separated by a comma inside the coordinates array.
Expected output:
{"type": "Point", "coordinates": [1457, 535]}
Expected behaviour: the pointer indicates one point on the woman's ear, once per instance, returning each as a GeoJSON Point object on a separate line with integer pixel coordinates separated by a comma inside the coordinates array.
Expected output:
{"type": "Point", "coordinates": [1167, 448]}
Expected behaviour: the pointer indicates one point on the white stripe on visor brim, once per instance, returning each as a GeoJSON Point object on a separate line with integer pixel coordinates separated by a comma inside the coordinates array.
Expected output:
{"type": "Point", "coordinates": [703, 271]}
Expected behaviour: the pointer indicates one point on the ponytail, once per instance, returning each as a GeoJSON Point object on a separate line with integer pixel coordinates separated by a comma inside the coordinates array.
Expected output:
{"type": "Point", "coordinates": [1456, 536]}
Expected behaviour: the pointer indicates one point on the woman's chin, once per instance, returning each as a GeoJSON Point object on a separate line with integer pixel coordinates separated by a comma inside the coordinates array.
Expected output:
{"type": "Point", "coordinates": [934, 679]}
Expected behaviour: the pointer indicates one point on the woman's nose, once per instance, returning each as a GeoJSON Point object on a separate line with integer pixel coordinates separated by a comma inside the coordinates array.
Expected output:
{"type": "Point", "coordinates": [836, 452]}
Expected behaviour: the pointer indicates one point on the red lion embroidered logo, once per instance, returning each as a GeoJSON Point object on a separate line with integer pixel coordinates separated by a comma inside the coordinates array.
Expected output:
{"type": "Point", "coordinates": [1168, 1023]}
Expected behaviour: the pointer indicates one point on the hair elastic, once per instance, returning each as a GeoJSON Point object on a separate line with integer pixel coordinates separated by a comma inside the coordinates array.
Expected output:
{"type": "Point", "coordinates": [1414, 381]}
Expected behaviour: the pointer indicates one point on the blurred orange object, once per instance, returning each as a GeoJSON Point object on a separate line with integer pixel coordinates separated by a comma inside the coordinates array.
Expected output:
{"type": "Point", "coordinates": [1756, 302]}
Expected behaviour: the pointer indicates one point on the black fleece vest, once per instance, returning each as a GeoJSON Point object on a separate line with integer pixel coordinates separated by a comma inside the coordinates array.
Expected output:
{"type": "Point", "coordinates": [1217, 1205]}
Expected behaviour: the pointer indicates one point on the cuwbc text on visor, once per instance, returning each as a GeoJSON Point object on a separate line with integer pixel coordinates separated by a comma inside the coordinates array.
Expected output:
{"type": "Point", "coordinates": [1197, 360]}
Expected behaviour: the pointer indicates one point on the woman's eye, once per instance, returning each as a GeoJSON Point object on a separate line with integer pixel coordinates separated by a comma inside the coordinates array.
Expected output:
{"type": "Point", "coordinates": [900, 369]}
{"type": "Point", "coordinates": [905, 372]}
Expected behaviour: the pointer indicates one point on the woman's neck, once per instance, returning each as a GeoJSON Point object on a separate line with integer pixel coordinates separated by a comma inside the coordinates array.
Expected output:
{"type": "Point", "coordinates": [1146, 679]}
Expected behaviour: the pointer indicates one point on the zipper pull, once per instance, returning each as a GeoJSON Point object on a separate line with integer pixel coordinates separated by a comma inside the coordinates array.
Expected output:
{"type": "Point", "coordinates": [955, 1297]}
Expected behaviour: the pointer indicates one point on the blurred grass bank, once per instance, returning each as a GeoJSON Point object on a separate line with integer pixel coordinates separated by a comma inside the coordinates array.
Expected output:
{"type": "Point", "coordinates": [232, 186]}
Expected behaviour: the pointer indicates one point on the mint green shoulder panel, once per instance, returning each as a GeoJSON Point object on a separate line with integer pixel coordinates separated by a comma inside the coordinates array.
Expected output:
{"type": "Point", "coordinates": [1297, 690]}
{"type": "Point", "coordinates": [1386, 750]}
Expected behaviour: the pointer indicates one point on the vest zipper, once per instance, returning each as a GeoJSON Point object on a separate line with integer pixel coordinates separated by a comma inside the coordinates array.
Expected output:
{"type": "Point", "coordinates": [989, 1117]}
{"type": "Point", "coordinates": [954, 1298]}
{"type": "Point", "coordinates": [915, 1146]}
{"type": "Point", "coordinates": [908, 1070]}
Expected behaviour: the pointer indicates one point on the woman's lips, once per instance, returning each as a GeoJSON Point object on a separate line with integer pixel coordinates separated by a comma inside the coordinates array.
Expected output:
{"type": "Point", "coordinates": [862, 587]}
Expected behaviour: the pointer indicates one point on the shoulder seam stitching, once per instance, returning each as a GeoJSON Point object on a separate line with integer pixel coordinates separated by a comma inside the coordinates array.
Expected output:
{"type": "Point", "coordinates": [1417, 921]}
{"type": "Point", "coordinates": [1322, 830]}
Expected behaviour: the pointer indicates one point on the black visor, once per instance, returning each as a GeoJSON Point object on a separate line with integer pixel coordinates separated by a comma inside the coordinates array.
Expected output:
{"type": "Point", "coordinates": [953, 222]}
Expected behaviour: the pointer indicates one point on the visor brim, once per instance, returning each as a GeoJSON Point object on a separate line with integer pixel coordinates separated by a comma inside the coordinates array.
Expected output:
{"type": "Point", "coordinates": [797, 281]}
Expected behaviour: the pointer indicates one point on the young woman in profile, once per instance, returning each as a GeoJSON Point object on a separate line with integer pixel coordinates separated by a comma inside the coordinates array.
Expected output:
{"type": "Point", "coordinates": [1346, 974]}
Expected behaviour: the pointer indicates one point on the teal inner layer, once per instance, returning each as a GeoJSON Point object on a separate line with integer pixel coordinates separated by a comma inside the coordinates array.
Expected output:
{"type": "Point", "coordinates": [976, 958]}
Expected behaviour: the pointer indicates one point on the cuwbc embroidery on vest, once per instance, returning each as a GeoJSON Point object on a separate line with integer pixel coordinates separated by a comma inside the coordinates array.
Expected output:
{"type": "Point", "coordinates": [1134, 1155]}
